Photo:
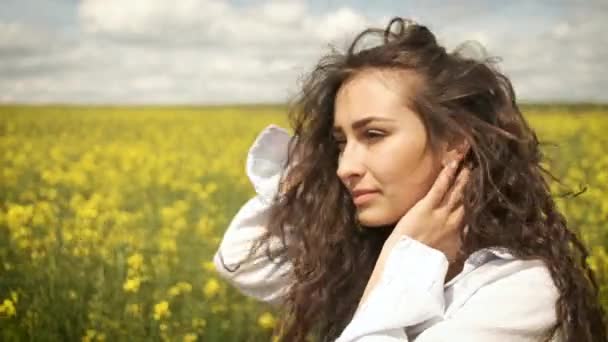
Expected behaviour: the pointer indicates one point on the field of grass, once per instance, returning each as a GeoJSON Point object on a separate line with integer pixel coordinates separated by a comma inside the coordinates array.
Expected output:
{"type": "Point", "coordinates": [110, 217]}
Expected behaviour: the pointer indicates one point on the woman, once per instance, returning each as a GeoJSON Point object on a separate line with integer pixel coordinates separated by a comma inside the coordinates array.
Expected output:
{"type": "Point", "coordinates": [411, 204]}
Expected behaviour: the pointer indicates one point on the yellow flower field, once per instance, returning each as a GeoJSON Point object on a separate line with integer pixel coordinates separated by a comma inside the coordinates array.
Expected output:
{"type": "Point", "coordinates": [110, 217]}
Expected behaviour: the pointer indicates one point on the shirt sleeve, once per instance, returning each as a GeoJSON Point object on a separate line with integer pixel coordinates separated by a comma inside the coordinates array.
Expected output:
{"type": "Point", "coordinates": [258, 277]}
{"type": "Point", "coordinates": [409, 292]}
{"type": "Point", "coordinates": [518, 307]}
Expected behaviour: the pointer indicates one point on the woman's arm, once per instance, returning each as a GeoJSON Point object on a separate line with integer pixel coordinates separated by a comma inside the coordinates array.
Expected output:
{"type": "Point", "coordinates": [257, 276]}
{"type": "Point", "coordinates": [515, 303]}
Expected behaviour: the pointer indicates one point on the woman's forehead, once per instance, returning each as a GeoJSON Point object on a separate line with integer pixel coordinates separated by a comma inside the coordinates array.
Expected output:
{"type": "Point", "coordinates": [396, 79]}
{"type": "Point", "coordinates": [382, 95]}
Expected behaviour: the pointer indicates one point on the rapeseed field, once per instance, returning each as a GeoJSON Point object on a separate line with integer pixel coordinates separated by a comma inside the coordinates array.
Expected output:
{"type": "Point", "coordinates": [110, 217]}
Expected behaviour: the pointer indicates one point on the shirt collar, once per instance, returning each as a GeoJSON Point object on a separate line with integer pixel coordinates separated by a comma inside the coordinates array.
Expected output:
{"type": "Point", "coordinates": [484, 255]}
{"type": "Point", "coordinates": [481, 257]}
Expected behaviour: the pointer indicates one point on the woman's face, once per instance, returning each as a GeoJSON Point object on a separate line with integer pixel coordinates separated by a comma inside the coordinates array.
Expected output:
{"type": "Point", "coordinates": [383, 146]}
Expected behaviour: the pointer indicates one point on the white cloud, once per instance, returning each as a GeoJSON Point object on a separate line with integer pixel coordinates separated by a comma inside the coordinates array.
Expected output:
{"type": "Point", "coordinates": [149, 17]}
{"type": "Point", "coordinates": [216, 22]}
{"type": "Point", "coordinates": [562, 57]}
{"type": "Point", "coordinates": [344, 20]}
{"type": "Point", "coordinates": [283, 12]}
{"type": "Point", "coordinates": [20, 40]}
{"type": "Point", "coordinates": [212, 51]}
{"type": "Point", "coordinates": [186, 51]}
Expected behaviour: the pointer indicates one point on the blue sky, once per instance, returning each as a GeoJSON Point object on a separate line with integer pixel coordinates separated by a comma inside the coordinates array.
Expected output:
{"type": "Point", "coordinates": [245, 51]}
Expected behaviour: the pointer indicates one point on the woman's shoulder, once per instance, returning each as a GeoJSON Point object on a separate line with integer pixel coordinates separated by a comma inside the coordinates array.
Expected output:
{"type": "Point", "coordinates": [508, 292]}
{"type": "Point", "coordinates": [502, 268]}
{"type": "Point", "coordinates": [517, 285]}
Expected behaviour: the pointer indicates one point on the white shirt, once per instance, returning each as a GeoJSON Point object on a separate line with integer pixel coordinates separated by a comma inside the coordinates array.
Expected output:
{"type": "Point", "coordinates": [495, 297]}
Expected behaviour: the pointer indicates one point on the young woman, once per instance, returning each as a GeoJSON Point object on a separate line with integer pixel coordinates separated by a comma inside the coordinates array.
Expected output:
{"type": "Point", "coordinates": [410, 204]}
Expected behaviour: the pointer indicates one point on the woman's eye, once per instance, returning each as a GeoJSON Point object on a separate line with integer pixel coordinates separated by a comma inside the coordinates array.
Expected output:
{"type": "Point", "coordinates": [373, 134]}
{"type": "Point", "coordinates": [369, 135]}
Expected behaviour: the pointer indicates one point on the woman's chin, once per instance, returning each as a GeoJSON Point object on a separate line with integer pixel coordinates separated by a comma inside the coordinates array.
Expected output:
{"type": "Point", "coordinates": [370, 218]}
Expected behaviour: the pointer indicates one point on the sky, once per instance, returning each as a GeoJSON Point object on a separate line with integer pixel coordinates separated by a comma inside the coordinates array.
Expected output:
{"type": "Point", "coordinates": [245, 51]}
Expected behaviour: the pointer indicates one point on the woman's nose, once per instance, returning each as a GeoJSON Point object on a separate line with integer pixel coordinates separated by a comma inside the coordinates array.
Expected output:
{"type": "Point", "coordinates": [350, 166]}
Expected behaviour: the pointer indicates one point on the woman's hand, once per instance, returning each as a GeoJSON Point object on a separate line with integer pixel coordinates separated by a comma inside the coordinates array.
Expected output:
{"type": "Point", "coordinates": [437, 218]}
{"type": "Point", "coordinates": [434, 220]}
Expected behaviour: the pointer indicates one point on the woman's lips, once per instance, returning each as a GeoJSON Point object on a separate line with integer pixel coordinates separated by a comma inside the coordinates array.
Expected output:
{"type": "Point", "coordinates": [364, 197]}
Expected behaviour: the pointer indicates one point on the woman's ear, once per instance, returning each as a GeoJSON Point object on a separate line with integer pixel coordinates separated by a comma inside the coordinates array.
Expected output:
{"type": "Point", "coordinates": [456, 150]}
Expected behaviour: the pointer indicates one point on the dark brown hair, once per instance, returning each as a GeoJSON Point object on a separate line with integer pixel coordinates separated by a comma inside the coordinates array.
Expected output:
{"type": "Point", "coordinates": [508, 202]}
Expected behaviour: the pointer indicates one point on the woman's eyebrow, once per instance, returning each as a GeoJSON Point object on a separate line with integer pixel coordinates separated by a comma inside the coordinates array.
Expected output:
{"type": "Point", "coordinates": [362, 122]}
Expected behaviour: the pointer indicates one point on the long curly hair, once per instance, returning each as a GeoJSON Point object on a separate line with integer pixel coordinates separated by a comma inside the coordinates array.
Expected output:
{"type": "Point", "coordinates": [508, 201]}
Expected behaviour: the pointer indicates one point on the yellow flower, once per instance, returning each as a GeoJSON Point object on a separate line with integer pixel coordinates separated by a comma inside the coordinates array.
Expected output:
{"type": "Point", "coordinates": [212, 287]}
{"type": "Point", "coordinates": [167, 245]}
{"type": "Point", "coordinates": [199, 323]}
{"type": "Point", "coordinates": [19, 215]}
{"type": "Point", "coordinates": [90, 335]}
{"type": "Point", "coordinates": [7, 308]}
{"type": "Point", "coordinates": [161, 310]}
{"type": "Point", "coordinates": [184, 287]}
{"type": "Point", "coordinates": [135, 261]}
{"type": "Point", "coordinates": [132, 285]}
{"type": "Point", "coordinates": [190, 337]}
{"type": "Point", "coordinates": [133, 309]}
{"type": "Point", "coordinates": [266, 321]}
{"type": "Point", "coordinates": [173, 291]}
{"type": "Point", "coordinates": [209, 266]}
{"type": "Point", "coordinates": [179, 288]}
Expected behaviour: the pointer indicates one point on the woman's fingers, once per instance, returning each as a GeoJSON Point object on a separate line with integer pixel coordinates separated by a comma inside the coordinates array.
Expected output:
{"type": "Point", "coordinates": [442, 184]}
{"type": "Point", "coordinates": [456, 192]}
{"type": "Point", "coordinates": [456, 216]}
